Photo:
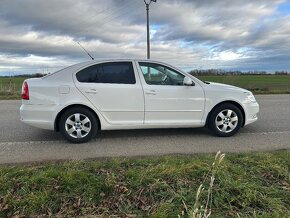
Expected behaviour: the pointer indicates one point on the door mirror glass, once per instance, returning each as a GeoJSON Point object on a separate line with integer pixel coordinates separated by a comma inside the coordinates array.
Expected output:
{"type": "Point", "coordinates": [187, 81]}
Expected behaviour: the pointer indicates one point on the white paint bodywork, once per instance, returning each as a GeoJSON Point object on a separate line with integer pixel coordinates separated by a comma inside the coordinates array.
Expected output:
{"type": "Point", "coordinates": [129, 106]}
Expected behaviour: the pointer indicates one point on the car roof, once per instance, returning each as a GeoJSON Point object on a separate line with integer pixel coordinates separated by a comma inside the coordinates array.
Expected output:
{"type": "Point", "coordinates": [97, 60]}
{"type": "Point", "coordinates": [101, 60]}
{"type": "Point", "coordinates": [78, 66]}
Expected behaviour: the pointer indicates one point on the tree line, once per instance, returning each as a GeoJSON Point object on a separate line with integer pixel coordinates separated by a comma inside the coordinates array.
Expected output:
{"type": "Point", "coordinates": [214, 72]}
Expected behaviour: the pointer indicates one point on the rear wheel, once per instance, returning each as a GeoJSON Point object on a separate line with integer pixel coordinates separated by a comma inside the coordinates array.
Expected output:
{"type": "Point", "coordinates": [225, 120]}
{"type": "Point", "coordinates": [78, 125]}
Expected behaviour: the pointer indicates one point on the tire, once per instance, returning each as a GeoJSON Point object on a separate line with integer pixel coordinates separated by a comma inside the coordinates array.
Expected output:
{"type": "Point", "coordinates": [225, 120]}
{"type": "Point", "coordinates": [78, 125]}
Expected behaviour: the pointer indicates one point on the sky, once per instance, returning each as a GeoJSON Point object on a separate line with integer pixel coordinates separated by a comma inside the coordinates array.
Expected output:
{"type": "Point", "coordinates": [39, 36]}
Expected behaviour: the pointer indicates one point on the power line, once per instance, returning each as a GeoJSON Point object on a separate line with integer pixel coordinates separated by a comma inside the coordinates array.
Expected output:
{"type": "Point", "coordinates": [110, 18]}
{"type": "Point", "coordinates": [102, 12]}
{"type": "Point", "coordinates": [106, 19]}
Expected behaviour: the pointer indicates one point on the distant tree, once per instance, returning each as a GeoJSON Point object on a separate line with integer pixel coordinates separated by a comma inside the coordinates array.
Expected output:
{"type": "Point", "coordinates": [281, 73]}
{"type": "Point", "coordinates": [212, 72]}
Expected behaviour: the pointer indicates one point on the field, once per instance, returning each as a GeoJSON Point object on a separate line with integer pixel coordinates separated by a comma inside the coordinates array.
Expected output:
{"type": "Point", "coordinates": [10, 88]}
{"type": "Point", "coordinates": [259, 84]}
{"type": "Point", "coordinates": [246, 185]}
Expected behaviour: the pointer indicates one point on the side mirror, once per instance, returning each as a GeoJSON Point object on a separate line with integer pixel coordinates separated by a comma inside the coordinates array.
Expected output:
{"type": "Point", "coordinates": [187, 81]}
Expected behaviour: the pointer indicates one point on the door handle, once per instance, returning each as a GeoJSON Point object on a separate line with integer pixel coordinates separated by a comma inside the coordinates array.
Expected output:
{"type": "Point", "coordinates": [91, 91]}
{"type": "Point", "coordinates": [151, 92]}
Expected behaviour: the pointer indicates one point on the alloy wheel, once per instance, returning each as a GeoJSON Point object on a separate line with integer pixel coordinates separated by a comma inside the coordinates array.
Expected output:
{"type": "Point", "coordinates": [226, 121]}
{"type": "Point", "coordinates": [78, 125]}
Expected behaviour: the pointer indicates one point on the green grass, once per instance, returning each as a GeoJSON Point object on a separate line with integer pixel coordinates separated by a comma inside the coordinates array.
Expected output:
{"type": "Point", "coordinates": [10, 88]}
{"type": "Point", "coordinates": [248, 185]}
{"type": "Point", "coordinates": [259, 84]}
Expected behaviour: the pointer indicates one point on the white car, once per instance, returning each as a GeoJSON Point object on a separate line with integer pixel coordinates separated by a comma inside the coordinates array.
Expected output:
{"type": "Point", "coordinates": [84, 98]}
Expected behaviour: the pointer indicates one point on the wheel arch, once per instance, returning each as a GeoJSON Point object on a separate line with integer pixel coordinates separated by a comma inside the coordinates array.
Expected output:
{"type": "Point", "coordinates": [57, 119]}
{"type": "Point", "coordinates": [228, 102]}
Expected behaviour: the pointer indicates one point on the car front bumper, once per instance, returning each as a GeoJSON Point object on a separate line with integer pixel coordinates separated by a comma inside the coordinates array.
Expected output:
{"type": "Point", "coordinates": [251, 112]}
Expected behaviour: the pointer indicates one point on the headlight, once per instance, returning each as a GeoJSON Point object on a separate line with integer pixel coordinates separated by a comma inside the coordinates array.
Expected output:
{"type": "Point", "coordinates": [250, 97]}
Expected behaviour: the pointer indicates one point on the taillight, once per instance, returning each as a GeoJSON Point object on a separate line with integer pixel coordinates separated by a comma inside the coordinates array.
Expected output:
{"type": "Point", "coordinates": [25, 91]}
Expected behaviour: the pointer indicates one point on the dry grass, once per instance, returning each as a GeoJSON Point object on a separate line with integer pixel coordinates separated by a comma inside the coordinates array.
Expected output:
{"type": "Point", "coordinates": [246, 185]}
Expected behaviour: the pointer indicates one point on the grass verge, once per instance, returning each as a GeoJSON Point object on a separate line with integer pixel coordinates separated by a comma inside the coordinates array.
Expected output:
{"type": "Point", "coordinates": [247, 185]}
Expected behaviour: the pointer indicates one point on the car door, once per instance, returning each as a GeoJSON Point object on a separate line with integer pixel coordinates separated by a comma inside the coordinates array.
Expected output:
{"type": "Point", "coordinates": [115, 91]}
{"type": "Point", "coordinates": [167, 100]}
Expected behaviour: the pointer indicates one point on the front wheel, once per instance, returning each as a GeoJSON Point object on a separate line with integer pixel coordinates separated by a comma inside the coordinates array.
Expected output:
{"type": "Point", "coordinates": [78, 125]}
{"type": "Point", "coordinates": [225, 120]}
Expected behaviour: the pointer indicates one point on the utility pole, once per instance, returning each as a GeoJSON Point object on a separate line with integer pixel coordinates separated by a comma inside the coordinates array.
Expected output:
{"type": "Point", "coordinates": [148, 26]}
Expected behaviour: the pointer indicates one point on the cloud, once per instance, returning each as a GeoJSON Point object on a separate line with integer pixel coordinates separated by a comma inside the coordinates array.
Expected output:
{"type": "Point", "coordinates": [190, 34]}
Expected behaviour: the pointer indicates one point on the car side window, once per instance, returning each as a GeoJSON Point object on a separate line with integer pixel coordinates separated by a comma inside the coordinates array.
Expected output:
{"type": "Point", "coordinates": [114, 72]}
{"type": "Point", "coordinates": [156, 74]}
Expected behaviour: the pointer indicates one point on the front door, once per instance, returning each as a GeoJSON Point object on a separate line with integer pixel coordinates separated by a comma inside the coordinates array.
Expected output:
{"type": "Point", "coordinates": [167, 100]}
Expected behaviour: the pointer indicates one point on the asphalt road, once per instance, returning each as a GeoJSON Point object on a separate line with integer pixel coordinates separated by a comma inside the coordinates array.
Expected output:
{"type": "Point", "coordinates": [21, 143]}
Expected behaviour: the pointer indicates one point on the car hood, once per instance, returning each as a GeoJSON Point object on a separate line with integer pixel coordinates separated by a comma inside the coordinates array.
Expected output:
{"type": "Point", "coordinates": [227, 87]}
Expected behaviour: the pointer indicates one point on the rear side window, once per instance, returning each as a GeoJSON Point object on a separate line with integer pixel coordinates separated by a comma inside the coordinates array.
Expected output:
{"type": "Point", "coordinates": [116, 72]}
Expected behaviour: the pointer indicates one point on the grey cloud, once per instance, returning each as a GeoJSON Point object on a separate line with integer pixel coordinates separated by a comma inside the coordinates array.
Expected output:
{"type": "Point", "coordinates": [194, 30]}
{"type": "Point", "coordinates": [79, 19]}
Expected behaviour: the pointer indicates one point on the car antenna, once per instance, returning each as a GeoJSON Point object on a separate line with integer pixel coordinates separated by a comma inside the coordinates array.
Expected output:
{"type": "Point", "coordinates": [85, 51]}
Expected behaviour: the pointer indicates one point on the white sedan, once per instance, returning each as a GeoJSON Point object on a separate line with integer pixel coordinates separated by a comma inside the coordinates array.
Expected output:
{"type": "Point", "coordinates": [84, 98]}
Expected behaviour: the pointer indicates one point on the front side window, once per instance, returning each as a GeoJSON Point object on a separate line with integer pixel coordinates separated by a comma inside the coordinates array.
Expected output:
{"type": "Point", "coordinates": [115, 72]}
{"type": "Point", "coordinates": [156, 74]}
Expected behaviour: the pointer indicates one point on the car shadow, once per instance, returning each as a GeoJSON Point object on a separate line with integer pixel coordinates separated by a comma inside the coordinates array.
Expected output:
{"type": "Point", "coordinates": [29, 134]}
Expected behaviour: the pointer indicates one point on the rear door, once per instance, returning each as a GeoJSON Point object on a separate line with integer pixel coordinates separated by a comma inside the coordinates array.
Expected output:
{"type": "Point", "coordinates": [167, 100]}
{"type": "Point", "coordinates": [115, 91]}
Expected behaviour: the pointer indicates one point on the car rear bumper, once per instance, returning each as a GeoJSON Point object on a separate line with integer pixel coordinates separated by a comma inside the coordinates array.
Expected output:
{"type": "Point", "coordinates": [251, 112]}
{"type": "Point", "coordinates": [41, 116]}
